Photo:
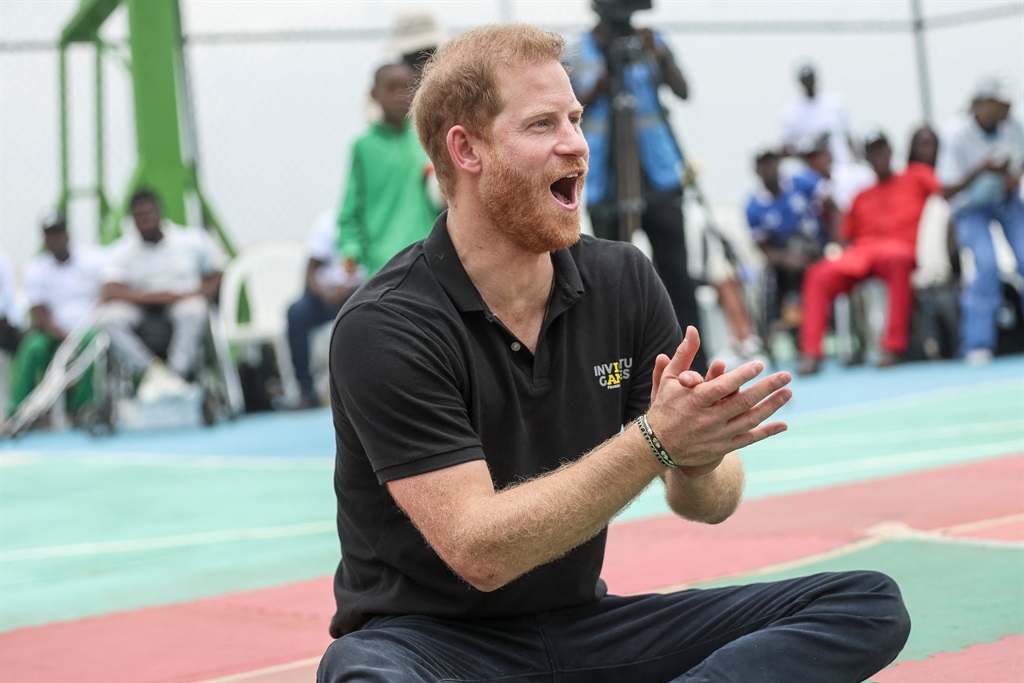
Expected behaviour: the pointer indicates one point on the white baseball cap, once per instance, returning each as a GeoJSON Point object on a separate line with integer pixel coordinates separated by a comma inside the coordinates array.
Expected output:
{"type": "Point", "coordinates": [994, 87]}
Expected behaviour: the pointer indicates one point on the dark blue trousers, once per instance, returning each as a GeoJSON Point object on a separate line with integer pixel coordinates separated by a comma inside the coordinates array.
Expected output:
{"type": "Point", "coordinates": [304, 316]}
{"type": "Point", "coordinates": [826, 628]}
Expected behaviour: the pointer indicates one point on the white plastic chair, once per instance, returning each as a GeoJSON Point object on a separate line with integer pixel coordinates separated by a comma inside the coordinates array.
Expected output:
{"type": "Point", "coordinates": [272, 275]}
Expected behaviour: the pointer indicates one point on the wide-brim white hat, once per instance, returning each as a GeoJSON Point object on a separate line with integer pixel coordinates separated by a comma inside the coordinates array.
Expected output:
{"type": "Point", "coordinates": [414, 31]}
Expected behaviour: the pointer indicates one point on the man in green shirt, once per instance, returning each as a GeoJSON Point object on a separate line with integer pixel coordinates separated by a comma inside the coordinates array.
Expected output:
{"type": "Point", "coordinates": [387, 204]}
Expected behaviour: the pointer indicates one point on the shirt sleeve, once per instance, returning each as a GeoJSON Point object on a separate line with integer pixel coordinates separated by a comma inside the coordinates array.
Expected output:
{"type": "Point", "coordinates": [1016, 140]}
{"type": "Point", "coordinates": [35, 284]}
{"type": "Point", "coordinates": [949, 167]}
{"type": "Point", "coordinates": [932, 185]}
{"type": "Point", "coordinates": [403, 389]}
{"type": "Point", "coordinates": [755, 220]}
{"type": "Point", "coordinates": [352, 217]}
{"type": "Point", "coordinates": [322, 244]}
{"type": "Point", "coordinates": [116, 268]}
{"type": "Point", "coordinates": [852, 221]}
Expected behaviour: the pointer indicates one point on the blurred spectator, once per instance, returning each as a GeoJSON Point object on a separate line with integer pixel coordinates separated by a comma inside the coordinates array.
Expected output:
{"type": "Point", "coordinates": [822, 117]}
{"type": "Point", "coordinates": [980, 167]}
{"type": "Point", "coordinates": [10, 329]}
{"type": "Point", "coordinates": [164, 272]}
{"type": "Point", "coordinates": [63, 288]}
{"type": "Point", "coordinates": [386, 204]}
{"type": "Point", "coordinates": [329, 284]}
{"type": "Point", "coordinates": [648, 64]}
{"type": "Point", "coordinates": [881, 235]}
{"type": "Point", "coordinates": [414, 38]}
{"type": "Point", "coordinates": [721, 269]}
{"type": "Point", "coordinates": [784, 225]}
{"type": "Point", "coordinates": [814, 181]}
{"type": "Point", "coordinates": [934, 327]}
{"type": "Point", "coordinates": [817, 115]}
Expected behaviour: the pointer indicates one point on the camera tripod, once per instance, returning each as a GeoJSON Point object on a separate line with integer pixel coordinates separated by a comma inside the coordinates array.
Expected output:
{"type": "Point", "coordinates": [624, 50]}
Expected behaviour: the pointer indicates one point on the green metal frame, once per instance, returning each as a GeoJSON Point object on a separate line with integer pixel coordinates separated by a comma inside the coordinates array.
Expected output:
{"type": "Point", "coordinates": [163, 130]}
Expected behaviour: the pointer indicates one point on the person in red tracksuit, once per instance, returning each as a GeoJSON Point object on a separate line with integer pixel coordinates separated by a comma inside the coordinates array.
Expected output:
{"type": "Point", "coordinates": [880, 231]}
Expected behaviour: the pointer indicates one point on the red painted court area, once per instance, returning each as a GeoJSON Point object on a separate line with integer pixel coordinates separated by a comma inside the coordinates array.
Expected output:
{"type": "Point", "coordinates": [277, 634]}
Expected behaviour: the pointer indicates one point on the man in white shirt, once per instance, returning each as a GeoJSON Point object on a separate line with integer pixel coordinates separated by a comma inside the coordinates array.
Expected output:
{"type": "Point", "coordinates": [816, 114]}
{"type": "Point", "coordinates": [980, 165]}
{"type": "Point", "coordinates": [62, 286]}
{"type": "Point", "coordinates": [329, 283]}
{"type": "Point", "coordinates": [164, 270]}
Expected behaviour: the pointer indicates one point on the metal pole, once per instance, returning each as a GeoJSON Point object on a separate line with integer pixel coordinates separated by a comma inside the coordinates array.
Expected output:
{"type": "Point", "coordinates": [65, 189]}
{"type": "Point", "coordinates": [923, 81]}
{"type": "Point", "coordinates": [101, 185]}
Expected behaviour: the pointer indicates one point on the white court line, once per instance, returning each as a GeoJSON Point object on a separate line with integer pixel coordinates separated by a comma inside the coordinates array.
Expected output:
{"type": "Point", "coordinates": [163, 542]}
{"type": "Point", "coordinates": [982, 524]}
{"type": "Point", "coordinates": [878, 463]}
{"type": "Point", "coordinates": [898, 531]}
{"type": "Point", "coordinates": [169, 460]}
{"type": "Point", "coordinates": [266, 671]}
{"type": "Point", "coordinates": [902, 434]}
{"type": "Point", "coordinates": [905, 400]}
{"type": "Point", "coordinates": [876, 535]}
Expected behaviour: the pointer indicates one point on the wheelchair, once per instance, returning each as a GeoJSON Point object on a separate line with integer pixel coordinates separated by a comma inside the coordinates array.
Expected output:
{"type": "Point", "coordinates": [114, 384]}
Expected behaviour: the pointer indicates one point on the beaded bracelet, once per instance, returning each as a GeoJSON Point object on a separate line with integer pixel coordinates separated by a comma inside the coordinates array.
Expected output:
{"type": "Point", "coordinates": [652, 441]}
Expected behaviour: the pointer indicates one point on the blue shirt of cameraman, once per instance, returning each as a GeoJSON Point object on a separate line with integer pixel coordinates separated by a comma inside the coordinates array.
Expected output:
{"type": "Point", "coordinates": [660, 157]}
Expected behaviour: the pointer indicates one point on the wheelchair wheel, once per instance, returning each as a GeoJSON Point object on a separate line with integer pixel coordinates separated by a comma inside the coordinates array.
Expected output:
{"type": "Point", "coordinates": [100, 418]}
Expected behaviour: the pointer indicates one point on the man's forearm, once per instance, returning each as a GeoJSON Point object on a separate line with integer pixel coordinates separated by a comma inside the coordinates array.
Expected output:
{"type": "Point", "coordinates": [673, 76]}
{"type": "Point", "coordinates": [711, 498]}
{"type": "Point", "coordinates": [491, 539]}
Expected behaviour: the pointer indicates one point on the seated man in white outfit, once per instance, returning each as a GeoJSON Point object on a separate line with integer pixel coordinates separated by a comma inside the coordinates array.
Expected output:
{"type": "Point", "coordinates": [166, 270]}
{"type": "Point", "coordinates": [62, 285]}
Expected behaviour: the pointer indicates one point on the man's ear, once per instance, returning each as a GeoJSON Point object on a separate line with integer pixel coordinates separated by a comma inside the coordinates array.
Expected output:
{"type": "Point", "coordinates": [464, 149]}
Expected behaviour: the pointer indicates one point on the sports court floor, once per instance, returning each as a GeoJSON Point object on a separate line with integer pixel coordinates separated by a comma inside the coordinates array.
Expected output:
{"type": "Point", "coordinates": [206, 555]}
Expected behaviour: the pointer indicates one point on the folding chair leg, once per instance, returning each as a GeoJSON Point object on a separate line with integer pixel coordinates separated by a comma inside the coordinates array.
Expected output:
{"type": "Point", "coordinates": [289, 384]}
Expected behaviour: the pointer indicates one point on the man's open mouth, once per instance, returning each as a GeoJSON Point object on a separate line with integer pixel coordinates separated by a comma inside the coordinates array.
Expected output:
{"type": "Point", "coordinates": [564, 189]}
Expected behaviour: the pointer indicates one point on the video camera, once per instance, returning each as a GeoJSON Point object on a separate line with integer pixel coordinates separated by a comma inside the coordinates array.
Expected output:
{"type": "Point", "coordinates": [617, 13]}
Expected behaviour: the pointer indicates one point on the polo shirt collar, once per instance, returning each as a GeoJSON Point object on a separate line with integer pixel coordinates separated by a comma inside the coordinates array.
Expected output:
{"type": "Point", "coordinates": [450, 273]}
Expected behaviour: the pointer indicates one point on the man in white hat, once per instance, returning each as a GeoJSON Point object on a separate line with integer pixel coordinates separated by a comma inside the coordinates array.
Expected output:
{"type": "Point", "coordinates": [980, 166]}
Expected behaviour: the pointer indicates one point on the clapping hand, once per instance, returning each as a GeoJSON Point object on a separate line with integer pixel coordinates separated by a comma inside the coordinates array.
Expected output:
{"type": "Point", "coordinates": [699, 420]}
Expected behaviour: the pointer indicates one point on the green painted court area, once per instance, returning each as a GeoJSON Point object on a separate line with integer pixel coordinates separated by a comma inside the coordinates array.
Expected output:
{"type": "Point", "coordinates": [972, 592]}
{"type": "Point", "coordinates": [84, 537]}
{"type": "Point", "coordinates": [896, 434]}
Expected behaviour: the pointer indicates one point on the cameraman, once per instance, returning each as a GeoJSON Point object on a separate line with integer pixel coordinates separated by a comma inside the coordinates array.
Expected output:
{"type": "Point", "coordinates": [646, 64]}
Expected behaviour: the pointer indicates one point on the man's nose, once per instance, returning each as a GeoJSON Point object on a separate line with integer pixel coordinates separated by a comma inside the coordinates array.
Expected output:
{"type": "Point", "coordinates": [571, 141]}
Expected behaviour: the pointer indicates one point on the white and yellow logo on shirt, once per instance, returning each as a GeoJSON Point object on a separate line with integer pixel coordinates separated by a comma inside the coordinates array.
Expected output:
{"type": "Point", "coordinates": [612, 375]}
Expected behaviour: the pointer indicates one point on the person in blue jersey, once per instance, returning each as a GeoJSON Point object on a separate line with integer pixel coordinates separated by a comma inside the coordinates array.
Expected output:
{"type": "Point", "coordinates": [785, 225]}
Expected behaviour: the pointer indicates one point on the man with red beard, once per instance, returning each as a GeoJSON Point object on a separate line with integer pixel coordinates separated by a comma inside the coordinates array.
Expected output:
{"type": "Point", "coordinates": [503, 388]}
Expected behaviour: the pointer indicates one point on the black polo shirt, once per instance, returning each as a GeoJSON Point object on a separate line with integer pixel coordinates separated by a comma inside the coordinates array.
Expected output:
{"type": "Point", "coordinates": [424, 376]}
